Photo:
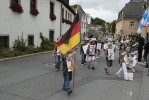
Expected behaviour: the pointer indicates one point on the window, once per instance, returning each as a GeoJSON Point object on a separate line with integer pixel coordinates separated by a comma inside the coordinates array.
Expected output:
{"type": "Point", "coordinates": [31, 40]}
{"type": "Point", "coordinates": [62, 12]}
{"type": "Point", "coordinates": [51, 7]}
{"type": "Point", "coordinates": [132, 24]}
{"type": "Point", "coordinates": [4, 42]}
{"type": "Point", "coordinates": [81, 25]}
{"type": "Point", "coordinates": [70, 17]}
{"type": "Point", "coordinates": [66, 15]}
{"type": "Point", "coordinates": [83, 17]}
{"type": "Point", "coordinates": [51, 36]}
{"type": "Point", "coordinates": [33, 4]}
{"type": "Point", "coordinates": [14, 1]}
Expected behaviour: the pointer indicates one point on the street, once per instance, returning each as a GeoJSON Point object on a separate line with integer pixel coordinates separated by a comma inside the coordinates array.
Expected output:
{"type": "Point", "coordinates": [35, 78]}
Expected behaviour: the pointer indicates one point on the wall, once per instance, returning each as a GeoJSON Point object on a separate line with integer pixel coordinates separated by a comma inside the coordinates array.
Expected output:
{"type": "Point", "coordinates": [14, 24]}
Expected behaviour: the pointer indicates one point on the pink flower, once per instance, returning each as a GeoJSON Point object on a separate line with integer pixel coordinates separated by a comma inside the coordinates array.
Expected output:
{"type": "Point", "coordinates": [16, 7]}
{"type": "Point", "coordinates": [34, 11]}
{"type": "Point", "coordinates": [52, 16]}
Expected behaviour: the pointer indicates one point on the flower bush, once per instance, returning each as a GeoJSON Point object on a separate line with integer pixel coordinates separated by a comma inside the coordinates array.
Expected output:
{"type": "Point", "coordinates": [68, 22]}
{"type": "Point", "coordinates": [63, 20]}
{"type": "Point", "coordinates": [34, 11]}
{"type": "Point", "coordinates": [16, 7]}
{"type": "Point", "coordinates": [52, 17]}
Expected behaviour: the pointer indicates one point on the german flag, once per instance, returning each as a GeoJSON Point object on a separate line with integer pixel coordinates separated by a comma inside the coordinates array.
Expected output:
{"type": "Point", "coordinates": [71, 38]}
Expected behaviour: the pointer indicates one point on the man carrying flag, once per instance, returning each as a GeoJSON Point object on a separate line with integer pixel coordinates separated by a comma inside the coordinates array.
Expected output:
{"type": "Point", "coordinates": [67, 42]}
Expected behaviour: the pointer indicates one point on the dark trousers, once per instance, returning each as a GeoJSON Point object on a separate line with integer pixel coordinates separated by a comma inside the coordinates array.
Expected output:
{"type": "Point", "coordinates": [66, 85]}
{"type": "Point", "coordinates": [140, 54]}
{"type": "Point", "coordinates": [83, 58]}
{"type": "Point", "coordinates": [145, 58]}
{"type": "Point", "coordinates": [57, 62]}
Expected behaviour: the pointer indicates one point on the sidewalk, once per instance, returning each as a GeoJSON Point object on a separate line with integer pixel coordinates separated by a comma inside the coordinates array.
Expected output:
{"type": "Point", "coordinates": [24, 55]}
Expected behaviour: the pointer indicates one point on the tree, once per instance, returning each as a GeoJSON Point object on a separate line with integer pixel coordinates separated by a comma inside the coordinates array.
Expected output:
{"type": "Point", "coordinates": [98, 21]}
{"type": "Point", "coordinates": [112, 26]}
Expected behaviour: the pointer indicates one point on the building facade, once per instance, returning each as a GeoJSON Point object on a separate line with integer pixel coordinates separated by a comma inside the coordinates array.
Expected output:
{"type": "Point", "coordinates": [83, 20]}
{"type": "Point", "coordinates": [129, 18]}
{"type": "Point", "coordinates": [29, 18]}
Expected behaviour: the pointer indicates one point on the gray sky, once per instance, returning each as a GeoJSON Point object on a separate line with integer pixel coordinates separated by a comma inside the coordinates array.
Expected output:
{"type": "Point", "coordinates": [104, 9]}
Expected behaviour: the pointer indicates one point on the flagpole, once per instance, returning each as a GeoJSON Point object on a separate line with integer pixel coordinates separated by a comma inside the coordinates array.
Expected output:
{"type": "Point", "coordinates": [74, 70]}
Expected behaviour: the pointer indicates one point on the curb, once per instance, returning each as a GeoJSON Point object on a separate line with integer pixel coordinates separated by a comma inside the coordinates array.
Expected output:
{"type": "Point", "coordinates": [25, 55]}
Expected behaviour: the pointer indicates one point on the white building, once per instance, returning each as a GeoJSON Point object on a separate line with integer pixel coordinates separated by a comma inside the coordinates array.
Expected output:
{"type": "Point", "coordinates": [14, 24]}
{"type": "Point", "coordinates": [83, 20]}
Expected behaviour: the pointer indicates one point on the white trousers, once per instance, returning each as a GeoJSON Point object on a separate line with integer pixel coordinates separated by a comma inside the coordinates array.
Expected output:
{"type": "Point", "coordinates": [124, 70]}
{"type": "Point", "coordinates": [134, 61]}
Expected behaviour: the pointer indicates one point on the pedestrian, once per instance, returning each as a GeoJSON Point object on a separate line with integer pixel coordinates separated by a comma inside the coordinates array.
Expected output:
{"type": "Point", "coordinates": [91, 51]}
{"type": "Point", "coordinates": [109, 54]}
{"type": "Point", "coordinates": [121, 49]}
{"type": "Point", "coordinates": [146, 50]}
{"type": "Point", "coordinates": [68, 65]}
{"type": "Point", "coordinates": [57, 55]}
{"type": "Point", "coordinates": [123, 62]}
{"type": "Point", "coordinates": [83, 54]}
{"type": "Point", "coordinates": [134, 54]}
{"type": "Point", "coordinates": [140, 47]}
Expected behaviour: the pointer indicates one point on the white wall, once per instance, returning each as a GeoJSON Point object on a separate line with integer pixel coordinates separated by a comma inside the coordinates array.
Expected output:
{"type": "Point", "coordinates": [14, 24]}
{"type": "Point", "coordinates": [84, 24]}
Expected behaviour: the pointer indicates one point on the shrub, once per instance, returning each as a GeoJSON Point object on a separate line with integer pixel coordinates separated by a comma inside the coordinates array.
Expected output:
{"type": "Point", "coordinates": [6, 53]}
{"type": "Point", "coordinates": [19, 44]}
{"type": "Point", "coordinates": [31, 49]}
{"type": "Point", "coordinates": [45, 43]}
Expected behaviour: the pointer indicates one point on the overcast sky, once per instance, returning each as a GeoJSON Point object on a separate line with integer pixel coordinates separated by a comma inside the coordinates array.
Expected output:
{"type": "Point", "coordinates": [104, 9]}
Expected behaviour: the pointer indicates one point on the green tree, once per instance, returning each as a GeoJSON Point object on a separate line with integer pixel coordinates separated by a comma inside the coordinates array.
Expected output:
{"type": "Point", "coordinates": [98, 21]}
{"type": "Point", "coordinates": [112, 26]}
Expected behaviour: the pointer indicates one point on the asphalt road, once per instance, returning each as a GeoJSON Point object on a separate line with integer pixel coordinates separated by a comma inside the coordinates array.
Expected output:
{"type": "Point", "coordinates": [34, 78]}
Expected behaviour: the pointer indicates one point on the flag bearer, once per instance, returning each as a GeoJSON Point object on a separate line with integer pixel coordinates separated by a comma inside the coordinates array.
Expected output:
{"type": "Point", "coordinates": [68, 64]}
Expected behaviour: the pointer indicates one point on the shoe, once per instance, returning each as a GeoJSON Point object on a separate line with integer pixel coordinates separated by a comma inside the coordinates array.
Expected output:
{"type": "Point", "coordinates": [82, 64]}
{"type": "Point", "coordinates": [57, 69]}
{"type": "Point", "coordinates": [108, 73]}
{"type": "Point", "coordinates": [129, 66]}
{"type": "Point", "coordinates": [126, 79]}
{"type": "Point", "coordinates": [93, 68]}
{"type": "Point", "coordinates": [118, 75]}
{"type": "Point", "coordinates": [69, 92]}
{"type": "Point", "coordinates": [141, 63]}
